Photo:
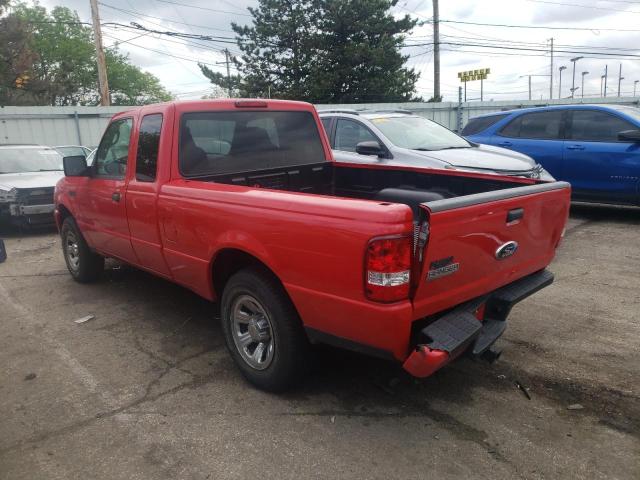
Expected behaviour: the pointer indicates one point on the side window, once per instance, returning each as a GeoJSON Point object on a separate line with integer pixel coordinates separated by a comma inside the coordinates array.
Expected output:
{"type": "Point", "coordinates": [148, 144]}
{"type": "Point", "coordinates": [536, 125]}
{"type": "Point", "coordinates": [111, 157]}
{"type": "Point", "coordinates": [349, 133]}
{"type": "Point", "coordinates": [596, 126]}
{"type": "Point", "coordinates": [326, 123]}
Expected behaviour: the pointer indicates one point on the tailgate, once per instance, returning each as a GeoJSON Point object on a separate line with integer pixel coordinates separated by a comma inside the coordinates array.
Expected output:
{"type": "Point", "coordinates": [478, 243]}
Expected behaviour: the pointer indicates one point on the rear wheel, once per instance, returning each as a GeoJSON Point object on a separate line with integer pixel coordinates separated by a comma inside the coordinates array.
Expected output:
{"type": "Point", "coordinates": [83, 264]}
{"type": "Point", "coordinates": [263, 331]}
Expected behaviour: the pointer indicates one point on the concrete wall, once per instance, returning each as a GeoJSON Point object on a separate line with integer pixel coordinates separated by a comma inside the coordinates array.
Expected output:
{"type": "Point", "coordinates": [84, 125]}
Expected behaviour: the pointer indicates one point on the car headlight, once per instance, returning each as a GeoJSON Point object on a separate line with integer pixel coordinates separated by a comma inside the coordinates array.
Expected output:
{"type": "Point", "coordinates": [8, 195]}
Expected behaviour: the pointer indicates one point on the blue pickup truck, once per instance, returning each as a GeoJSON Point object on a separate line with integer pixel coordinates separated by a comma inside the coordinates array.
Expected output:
{"type": "Point", "coordinates": [596, 148]}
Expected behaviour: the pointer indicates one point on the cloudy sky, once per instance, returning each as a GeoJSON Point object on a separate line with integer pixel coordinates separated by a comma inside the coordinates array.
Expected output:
{"type": "Point", "coordinates": [598, 30]}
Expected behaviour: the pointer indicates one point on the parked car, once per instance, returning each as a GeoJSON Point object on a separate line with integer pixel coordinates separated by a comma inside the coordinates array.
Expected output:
{"type": "Point", "coordinates": [71, 150]}
{"type": "Point", "coordinates": [28, 175]}
{"type": "Point", "coordinates": [241, 201]}
{"type": "Point", "coordinates": [596, 148]}
{"type": "Point", "coordinates": [402, 138]}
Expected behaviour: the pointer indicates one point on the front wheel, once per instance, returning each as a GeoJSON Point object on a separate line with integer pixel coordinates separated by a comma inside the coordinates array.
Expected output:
{"type": "Point", "coordinates": [263, 331]}
{"type": "Point", "coordinates": [84, 265]}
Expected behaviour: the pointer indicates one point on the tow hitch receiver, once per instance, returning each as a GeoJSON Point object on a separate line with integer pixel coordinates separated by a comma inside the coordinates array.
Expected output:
{"type": "Point", "coordinates": [460, 330]}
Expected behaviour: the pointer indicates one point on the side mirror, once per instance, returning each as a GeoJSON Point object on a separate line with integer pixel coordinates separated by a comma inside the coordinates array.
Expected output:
{"type": "Point", "coordinates": [75, 166]}
{"type": "Point", "coordinates": [370, 148]}
{"type": "Point", "coordinates": [629, 136]}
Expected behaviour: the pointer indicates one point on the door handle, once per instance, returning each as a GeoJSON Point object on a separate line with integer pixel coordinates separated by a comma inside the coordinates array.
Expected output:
{"type": "Point", "coordinates": [505, 144]}
{"type": "Point", "coordinates": [575, 147]}
{"type": "Point", "coordinates": [515, 214]}
{"type": "Point", "coordinates": [115, 196]}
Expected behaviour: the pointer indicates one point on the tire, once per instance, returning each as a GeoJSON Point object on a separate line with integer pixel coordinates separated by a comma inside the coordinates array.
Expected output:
{"type": "Point", "coordinates": [269, 318]}
{"type": "Point", "coordinates": [84, 265]}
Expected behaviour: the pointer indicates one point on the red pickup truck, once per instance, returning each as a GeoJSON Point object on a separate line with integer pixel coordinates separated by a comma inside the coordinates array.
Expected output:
{"type": "Point", "coordinates": [241, 202]}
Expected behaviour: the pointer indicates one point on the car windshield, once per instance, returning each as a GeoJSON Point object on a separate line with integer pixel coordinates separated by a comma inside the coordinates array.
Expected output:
{"type": "Point", "coordinates": [29, 159]}
{"type": "Point", "coordinates": [417, 133]}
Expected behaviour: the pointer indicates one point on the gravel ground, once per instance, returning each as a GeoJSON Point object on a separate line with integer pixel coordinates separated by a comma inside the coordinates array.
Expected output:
{"type": "Point", "coordinates": [146, 389]}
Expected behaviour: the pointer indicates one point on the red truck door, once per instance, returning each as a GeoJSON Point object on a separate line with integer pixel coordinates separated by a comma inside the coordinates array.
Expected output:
{"type": "Point", "coordinates": [103, 202]}
{"type": "Point", "coordinates": [151, 166]}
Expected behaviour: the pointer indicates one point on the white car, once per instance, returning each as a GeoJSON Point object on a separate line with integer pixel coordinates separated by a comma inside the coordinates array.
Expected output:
{"type": "Point", "coordinates": [28, 176]}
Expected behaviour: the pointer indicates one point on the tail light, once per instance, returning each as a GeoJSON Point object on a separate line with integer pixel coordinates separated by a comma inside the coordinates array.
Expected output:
{"type": "Point", "coordinates": [388, 269]}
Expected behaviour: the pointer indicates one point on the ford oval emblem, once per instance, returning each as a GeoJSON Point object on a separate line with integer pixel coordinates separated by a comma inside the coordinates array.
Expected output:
{"type": "Point", "coordinates": [506, 250]}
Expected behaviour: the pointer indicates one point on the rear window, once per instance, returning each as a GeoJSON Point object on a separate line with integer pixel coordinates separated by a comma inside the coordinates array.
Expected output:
{"type": "Point", "coordinates": [480, 124]}
{"type": "Point", "coordinates": [228, 142]}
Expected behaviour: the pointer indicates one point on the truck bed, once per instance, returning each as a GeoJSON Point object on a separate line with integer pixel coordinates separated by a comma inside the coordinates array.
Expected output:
{"type": "Point", "coordinates": [393, 185]}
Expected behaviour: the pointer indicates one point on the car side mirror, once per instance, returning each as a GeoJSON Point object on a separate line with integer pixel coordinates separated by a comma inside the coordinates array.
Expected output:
{"type": "Point", "coordinates": [630, 136]}
{"type": "Point", "coordinates": [75, 166]}
{"type": "Point", "coordinates": [370, 148]}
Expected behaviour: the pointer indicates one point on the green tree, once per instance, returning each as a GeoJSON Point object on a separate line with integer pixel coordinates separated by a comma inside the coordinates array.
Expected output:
{"type": "Point", "coordinates": [63, 69]}
{"type": "Point", "coordinates": [360, 57]}
{"type": "Point", "coordinates": [324, 51]}
{"type": "Point", "coordinates": [16, 56]}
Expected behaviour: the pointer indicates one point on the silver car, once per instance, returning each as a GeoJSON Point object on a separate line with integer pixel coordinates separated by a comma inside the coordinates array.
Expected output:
{"type": "Point", "coordinates": [28, 176]}
{"type": "Point", "coordinates": [403, 138]}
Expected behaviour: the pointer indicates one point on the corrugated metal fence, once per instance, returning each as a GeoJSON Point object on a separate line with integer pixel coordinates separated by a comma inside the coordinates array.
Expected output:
{"type": "Point", "coordinates": [84, 125]}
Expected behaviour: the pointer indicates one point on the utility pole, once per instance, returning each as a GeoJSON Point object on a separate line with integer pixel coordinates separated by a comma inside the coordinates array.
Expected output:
{"type": "Point", "coordinates": [227, 61]}
{"type": "Point", "coordinates": [582, 88]}
{"type": "Point", "coordinates": [620, 78]}
{"type": "Point", "coordinates": [436, 51]}
{"type": "Point", "coordinates": [635, 84]}
{"type": "Point", "coordinates": [551, 72]}
{"type": "Point", "coordinates": [103, 83]}
{"type": "Point", "coordinates": [529, 87]}
{"type": "Point", "coordinates": [606, 68]}
{"type": "Point", "coordinates": [601, 82]}
{"type": "Point", "coordinates": [562, 67]}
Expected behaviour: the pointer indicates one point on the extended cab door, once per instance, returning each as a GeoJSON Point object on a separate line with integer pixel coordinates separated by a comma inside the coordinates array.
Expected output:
{"type": "Point", "coordinates": [597, 164]}
{"type": "Point", "coordinates": [103, 201]}
{"type": "Point", "coordinates": [151, 167]}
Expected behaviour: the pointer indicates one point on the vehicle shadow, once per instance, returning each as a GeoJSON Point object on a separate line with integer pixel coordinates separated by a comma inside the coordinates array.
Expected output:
{"type": "Point", "coordinates": [360, 386]}
{"type": "Point", "coordinates": [10, 231]}
{"type": "Point", "coordinates": [598, 212]}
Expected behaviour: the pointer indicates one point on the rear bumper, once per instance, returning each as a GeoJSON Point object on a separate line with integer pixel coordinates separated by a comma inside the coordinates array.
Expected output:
{"type": "Point", "coordinates": [461, 329]}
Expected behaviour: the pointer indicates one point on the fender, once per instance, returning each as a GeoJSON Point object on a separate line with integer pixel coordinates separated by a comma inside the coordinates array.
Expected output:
{"type": "Point", "coordinates": [242, 242]}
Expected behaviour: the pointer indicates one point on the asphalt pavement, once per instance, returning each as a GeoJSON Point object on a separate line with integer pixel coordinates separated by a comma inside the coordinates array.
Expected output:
{"type": "Point", "coordinates": [146, 390]}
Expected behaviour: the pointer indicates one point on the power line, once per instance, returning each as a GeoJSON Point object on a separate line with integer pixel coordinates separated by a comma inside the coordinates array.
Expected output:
{"type": "Point", "coordinates": [577, 5]}
{"type": "Point", "coordinates": [539, 27]}
{"type": "Point", "coordinates": [205, 8]}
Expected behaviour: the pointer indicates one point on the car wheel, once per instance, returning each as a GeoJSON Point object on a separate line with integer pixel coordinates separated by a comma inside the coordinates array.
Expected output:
{"type": "Point", "coordinates": [263, 331]}
{"type": "Point", "coordinates": [83, 264]}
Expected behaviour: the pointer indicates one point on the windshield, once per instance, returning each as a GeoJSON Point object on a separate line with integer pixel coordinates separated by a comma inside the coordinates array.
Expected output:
{"type": "Point", "coordinates": [418, 133]}
{"type": "Point", "coordinates": [25, 159]}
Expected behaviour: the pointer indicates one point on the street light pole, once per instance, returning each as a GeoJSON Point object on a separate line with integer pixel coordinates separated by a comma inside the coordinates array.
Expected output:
{"type": "Point", "coordinates": [560, 81]}
{"type": "Point", "coordinates": [635, 84]}
{"type": "Point", "coordinates": [582, 88]}
{"type": "Point", "coordinates": [620, 78]}
{"type": "Point", "coordinates": [573, 82]}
